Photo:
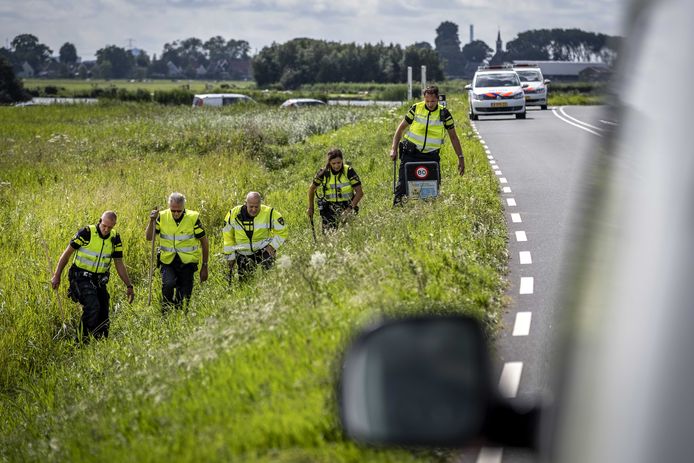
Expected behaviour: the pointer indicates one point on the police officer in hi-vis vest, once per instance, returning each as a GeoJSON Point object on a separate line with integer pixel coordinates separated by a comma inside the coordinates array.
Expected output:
{"type": "Point", "coordinates": [181, 240]}
{"type": "Point", "coordinates": [253, 232]}
{"type": "Point", "coordinates": [428, 122]}
{"type": "Point", "coordinates": [94, 247]}
{"type": "Point", "coordinates": [338, 188]}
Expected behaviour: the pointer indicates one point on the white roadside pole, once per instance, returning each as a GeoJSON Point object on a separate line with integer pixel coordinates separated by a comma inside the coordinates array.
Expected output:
{"type": "Point", "coordinates": [409, 83]}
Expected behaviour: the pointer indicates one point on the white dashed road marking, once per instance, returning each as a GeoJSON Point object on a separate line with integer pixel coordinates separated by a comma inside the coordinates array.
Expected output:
{"type": "Point", "coordinates": [507, 189]}
{"type": "Point", "coordinates": [520, 236]}
{"type": "Point", "coordinates": [522, 325]}
{"type": "Point", "coordinates": [511, 202]}
{"type": "Point", "coordinates": [510, 379]}
{"type": "Point", "coordinates": [526, 285]}
{"type": "Point", "coordinates": [525, 257]}
{"type": "Point", "coordinates": [516, 218]}
{"type": "Point", "coordinates": [490, 455]}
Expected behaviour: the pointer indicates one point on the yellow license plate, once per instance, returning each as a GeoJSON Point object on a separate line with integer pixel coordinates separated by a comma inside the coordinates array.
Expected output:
{"type": "Point", "coordinates": [502, 104]}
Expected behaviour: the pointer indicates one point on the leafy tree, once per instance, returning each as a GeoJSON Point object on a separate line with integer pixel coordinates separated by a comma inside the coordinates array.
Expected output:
{"type": "Point", "coordinates": [563, 45]}
{"type": "Point", "coordinates": [114, 62]}
{"type": "Point", "coordinates": [142, 59]}
{"type": "Point", "coordinates": [27, 48]}
{"type": "Point", "coordinates": [304, 61]}
{"type": "Point", "coordinates": [11, 89]}
{"type": "Point", "coordinates": [417, 57]}
{"type": "Point", "coordinates": [476, 52]}
{"type": "Point", "coordinates": [448, 47]}
{"type": "Point", "coordinates": [68, 54]}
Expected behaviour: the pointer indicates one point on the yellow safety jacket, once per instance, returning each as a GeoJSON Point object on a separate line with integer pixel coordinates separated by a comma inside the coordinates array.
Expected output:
{"type": "Point", "coordinates": [246, 237]}
{"type": "Point", "coordinates": [427, 130]}
{"type": "Point", "coordinates": [95, 256]}
{"type": "Point", "coordinates": [178, 238]}
{"type": "Point", "coordinates": [337, 188]}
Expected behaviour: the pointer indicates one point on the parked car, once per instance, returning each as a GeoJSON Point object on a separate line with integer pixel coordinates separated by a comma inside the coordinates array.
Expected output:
{"type": "Point", "coordinates": [495, 90]}
{"type": "Point", "coordinates": [624, 379]}
{"type": "Point", "coordinates": [220, 99]}
{"type": "Point", "coordinates": [301, 102]}
{"type": "Point", "coordinates": [535, 86]}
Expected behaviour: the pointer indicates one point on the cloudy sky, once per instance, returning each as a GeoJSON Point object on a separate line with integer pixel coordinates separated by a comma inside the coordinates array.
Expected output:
{"type": "Point", "coordinates": [149, 24]}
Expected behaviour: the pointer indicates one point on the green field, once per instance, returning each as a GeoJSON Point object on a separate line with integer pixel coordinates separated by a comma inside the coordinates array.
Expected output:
{"type": "Point", "coordinates": [248, 373]}
{"type": "Point", "coordinates": [182, 91]}
{"type": "Point", "coordinates": [78, 85]}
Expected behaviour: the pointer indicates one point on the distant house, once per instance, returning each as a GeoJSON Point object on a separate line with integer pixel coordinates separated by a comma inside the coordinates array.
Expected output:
{"type": "Point", "coordinates": [172, 70]}
{"type": "Point", "coordinates": [570, 70]}
{"type": "Point", "coordinates": [27, 70]}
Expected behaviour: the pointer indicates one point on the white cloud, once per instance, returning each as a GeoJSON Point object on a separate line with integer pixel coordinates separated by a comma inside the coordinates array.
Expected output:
{"type": "Point", "coordinates": [93, 24]}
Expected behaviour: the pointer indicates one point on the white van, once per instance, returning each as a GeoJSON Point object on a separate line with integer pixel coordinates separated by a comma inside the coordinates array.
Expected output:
{"type": "Point", "coordinates": [220, 99]}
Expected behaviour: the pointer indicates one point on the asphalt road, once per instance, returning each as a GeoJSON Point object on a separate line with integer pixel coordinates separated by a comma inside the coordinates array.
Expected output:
{"type": "Point", "coordinates": [541, 163]}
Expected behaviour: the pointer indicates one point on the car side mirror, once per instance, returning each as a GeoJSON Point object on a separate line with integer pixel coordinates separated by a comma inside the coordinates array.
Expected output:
{"type": "Point", "coordinates": [468, 87]}
{"type": "Point", "coordinates": [547, 81]}
{"type": "Point", "coordinates": [425, 381]}
{"type": "Point", "coordinates": [525, 85]}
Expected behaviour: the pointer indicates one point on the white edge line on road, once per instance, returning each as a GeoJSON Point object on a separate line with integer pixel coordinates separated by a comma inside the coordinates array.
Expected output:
{"type": "Point", "coordinates": [511, 202]}
{"type": "Point", "coordinates": [578, 121]}
{"type": "Point", "coordinates": [554, 111]}
{"type": "Point", "coordinates": [608, 122]}
{"type": "Point", "coordinates": [507, 189]}
{"type": "Point", "coordinates": [527, 285]}
{"type": "Point", "coordinates": [516, 218]}
{"type": "Point", "coordinates": [525, 257]}
{"type": "Point", "coordinates": [510, 379]}
{"type": "Point", "coordinates": [490, 455]}
{"type": "Point", "coordinates": [498, 172]}
{"type": "Point", "coordinates": [492, 161]}
{"type": "Point", "coordinates": [520, 236]}
{"type": "Point", "coordinates": [503, 180]}
{"type": "Point", "coordinates": [522, 325]}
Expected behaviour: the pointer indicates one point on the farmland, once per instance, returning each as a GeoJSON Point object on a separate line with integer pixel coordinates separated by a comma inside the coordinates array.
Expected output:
{"type": "Point", "coordinates": [248, 372]}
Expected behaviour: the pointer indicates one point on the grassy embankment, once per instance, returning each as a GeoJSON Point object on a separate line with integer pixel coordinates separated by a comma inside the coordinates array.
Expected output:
{"type": "Point", "coordinates": [248, 373]}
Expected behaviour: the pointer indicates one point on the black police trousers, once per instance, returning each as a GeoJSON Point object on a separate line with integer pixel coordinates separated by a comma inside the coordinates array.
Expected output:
{"type": "Point", "coordinates": [331, 212]}
{"type": "Point", "coordinates": [176, 284]}
{"type": "Point", "coordinates": [247, 264]}
{"type": "Point", "coordinates": [95, 300]}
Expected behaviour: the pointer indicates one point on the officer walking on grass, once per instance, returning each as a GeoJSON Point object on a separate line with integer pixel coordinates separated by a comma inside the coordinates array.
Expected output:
{"type": "Point", "coordinates": [253, 232]}
{"type": "Point", "coordinates": [94, 247]}
{"type": "Point", "coordinates": [426, 122]}
{"type": "Point", "coordinates": [181, 240]}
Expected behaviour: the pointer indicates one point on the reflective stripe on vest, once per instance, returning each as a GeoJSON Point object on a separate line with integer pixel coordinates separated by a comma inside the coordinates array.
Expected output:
{"type": "Point", "coordinates": [178, 238]}
{"type": "Point", "coordinates": [335, 190]}
{"type": "Point", "coordinates": [95, 257]}
{"type": "Point", "coordinates": [427, 130]}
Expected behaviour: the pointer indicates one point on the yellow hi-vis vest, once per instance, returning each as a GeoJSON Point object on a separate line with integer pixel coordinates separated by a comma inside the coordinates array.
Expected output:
{"type": "Point", "coordinates": [427, 130]}
{"type": "Point", "coordinates": [178, 238]}
{"type": "Point", "coordinates": [337, 188]}
{"type": "Point", "coordinates": [266, 228]}
{"type": "Point", "coordinates": [95, 256]}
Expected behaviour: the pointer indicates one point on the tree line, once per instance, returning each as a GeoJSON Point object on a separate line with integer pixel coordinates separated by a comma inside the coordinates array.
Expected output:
{"type": "Point", "coordinates": [539, 45]}
{"type": "Point", "coordinates": [308, 61]}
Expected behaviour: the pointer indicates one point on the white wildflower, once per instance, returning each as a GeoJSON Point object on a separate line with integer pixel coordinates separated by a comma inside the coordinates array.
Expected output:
{"type": "Point", "coordinates": [284, 262]}
{"type": "Point", "coordinates": [317, 259]}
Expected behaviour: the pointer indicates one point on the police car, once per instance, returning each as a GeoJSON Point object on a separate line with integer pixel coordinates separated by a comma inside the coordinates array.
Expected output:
{"type": "Point", "coordinates": [534, 85]}
{"type": "Point", "coordinates": [495, 90]}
